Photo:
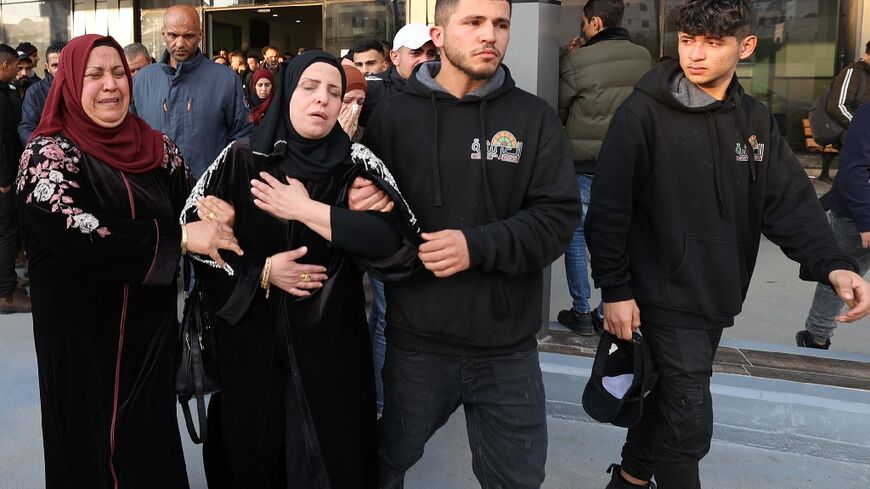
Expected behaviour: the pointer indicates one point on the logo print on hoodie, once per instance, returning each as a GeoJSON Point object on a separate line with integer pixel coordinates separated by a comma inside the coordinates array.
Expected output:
{"type": "Point", "coordinates": [757, 150]}
{"type": "Point", "coordinates": [503, 147]}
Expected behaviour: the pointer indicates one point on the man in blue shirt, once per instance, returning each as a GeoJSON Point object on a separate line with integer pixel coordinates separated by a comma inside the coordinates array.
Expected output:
{"type": "Point", "coordinates": [197, 103]}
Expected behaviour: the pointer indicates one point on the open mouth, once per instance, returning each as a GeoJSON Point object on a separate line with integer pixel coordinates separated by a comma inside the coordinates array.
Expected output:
{"type": "Point", "coordinates": [319, 115]}
{"type": "Point", "coordinates": [109, 101]}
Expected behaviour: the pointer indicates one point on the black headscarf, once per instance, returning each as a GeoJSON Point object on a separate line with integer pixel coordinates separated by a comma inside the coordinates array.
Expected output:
{"type": "Point", "coordinates": [275, 137]}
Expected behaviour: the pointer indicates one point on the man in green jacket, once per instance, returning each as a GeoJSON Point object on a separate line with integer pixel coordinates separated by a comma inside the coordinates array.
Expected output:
{"type": "Point", "coordinates": [594, 80]}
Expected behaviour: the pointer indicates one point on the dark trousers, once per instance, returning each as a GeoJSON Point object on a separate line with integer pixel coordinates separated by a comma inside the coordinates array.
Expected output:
{"type": "Point", "coordinates": [9, 243]}
{"type": "Point", "coordinates": [677, 424]}
{"type": "Point", "coordinates": [504, 402]}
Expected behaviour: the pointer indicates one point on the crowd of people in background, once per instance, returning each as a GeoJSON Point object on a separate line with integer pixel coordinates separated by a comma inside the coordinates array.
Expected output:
{"type": "Point", "coordinates": [281, 178]}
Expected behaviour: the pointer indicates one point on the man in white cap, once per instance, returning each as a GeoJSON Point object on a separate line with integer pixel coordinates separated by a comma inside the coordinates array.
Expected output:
{"type": "Point", "coordinates": [411, 46]}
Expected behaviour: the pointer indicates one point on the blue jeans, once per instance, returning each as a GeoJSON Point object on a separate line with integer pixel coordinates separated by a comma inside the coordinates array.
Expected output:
{"type": "Point", "coordinates": [826, 303]}
{"type": "Point", "coordinates": [377, 323]}
{"type": "Point", "coordinates": [575, 256]}
{"type": "Point", "coordinates": [505, 414]}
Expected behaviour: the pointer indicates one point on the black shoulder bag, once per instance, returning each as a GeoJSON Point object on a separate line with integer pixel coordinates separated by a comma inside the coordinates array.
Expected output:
{"type": "Point", "coordinates": [197, 371]}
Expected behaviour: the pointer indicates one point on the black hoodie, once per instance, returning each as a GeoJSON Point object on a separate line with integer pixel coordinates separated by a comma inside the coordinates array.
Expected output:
{"type": "Point", "coordinates": [497, 166]}
{"type": "Point", "coordinates": [686, 186]}
{"type": "Point", "coordinates": [379, 86]}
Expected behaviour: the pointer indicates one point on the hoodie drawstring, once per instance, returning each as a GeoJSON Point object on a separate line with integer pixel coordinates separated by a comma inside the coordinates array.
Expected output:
{"type": "Point", "coordinates": [436, 168]}
{"type": "Point", "coordinates": [490, 205]}
{"type": "Point", "coordinates": [717, 163]}
{"type": "Point", "coordinates": [741, 136]}
{"type": "Point", "coordinates": [500, 305]}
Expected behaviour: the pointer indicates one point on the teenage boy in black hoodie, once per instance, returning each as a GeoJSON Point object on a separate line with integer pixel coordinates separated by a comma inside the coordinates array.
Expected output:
{"type": "Point", "coordinates": [487, 169]}
{"type": "Point", "coordinates": [691, 173]}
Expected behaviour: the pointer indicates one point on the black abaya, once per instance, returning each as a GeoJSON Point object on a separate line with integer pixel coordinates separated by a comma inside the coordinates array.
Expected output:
{"type": "Point", "coordinates": [257, 424]}
{"type": "Point", "coordinates": [103, 247]}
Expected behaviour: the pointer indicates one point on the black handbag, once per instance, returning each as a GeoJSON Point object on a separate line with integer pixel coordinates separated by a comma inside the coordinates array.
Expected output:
{"type": "Point", "coordinates": [197, 371]}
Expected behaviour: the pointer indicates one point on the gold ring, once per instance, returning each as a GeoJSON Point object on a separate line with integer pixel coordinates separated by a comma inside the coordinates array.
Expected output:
{"type": "Point", "coordinates": [305, 277]}
{"type": "Point", "coordinates": [210, 216]}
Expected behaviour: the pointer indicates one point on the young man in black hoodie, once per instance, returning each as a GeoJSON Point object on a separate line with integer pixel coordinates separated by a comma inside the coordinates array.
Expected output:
{"type": "Point", "coordinates": [487, 169]}
{"type": "Point", "coordinates": [691, 173]}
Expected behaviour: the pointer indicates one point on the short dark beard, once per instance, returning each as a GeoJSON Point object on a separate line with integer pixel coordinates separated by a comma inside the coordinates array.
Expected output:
{"type": "Point", "coordinates": [458, 61]}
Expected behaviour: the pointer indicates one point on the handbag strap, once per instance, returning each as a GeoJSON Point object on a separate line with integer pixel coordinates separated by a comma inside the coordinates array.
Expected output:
{"type": "Point", "coordinates": [194, 337]}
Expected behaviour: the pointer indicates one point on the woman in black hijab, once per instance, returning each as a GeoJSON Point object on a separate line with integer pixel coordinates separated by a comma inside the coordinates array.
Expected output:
{"type": "Point", "coordinates": [297, 408]}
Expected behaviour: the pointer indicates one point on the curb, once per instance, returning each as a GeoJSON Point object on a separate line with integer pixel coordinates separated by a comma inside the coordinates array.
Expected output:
{"type": "Point", "coordinates": [821, 421]}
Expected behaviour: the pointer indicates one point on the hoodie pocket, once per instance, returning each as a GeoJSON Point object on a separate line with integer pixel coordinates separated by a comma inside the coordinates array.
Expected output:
{"type": "Point", "coordinates": [710, 278]}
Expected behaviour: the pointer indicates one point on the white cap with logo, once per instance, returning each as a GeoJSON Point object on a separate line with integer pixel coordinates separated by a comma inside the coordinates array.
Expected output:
{"type": "Point", "coordinates": [412, 36]}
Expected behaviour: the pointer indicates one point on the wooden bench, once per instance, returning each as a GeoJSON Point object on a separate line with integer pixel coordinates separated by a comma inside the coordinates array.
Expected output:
{"type": "Point", "coordinates": [828, 152]}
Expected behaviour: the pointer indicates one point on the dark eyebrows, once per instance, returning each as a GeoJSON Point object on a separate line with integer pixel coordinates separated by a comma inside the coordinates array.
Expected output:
{"type": "Point", "coordinates": [101, 68]}
{"type": "Point", "coordinates": [480, 18]}
{"type": "Point", "coordinates": [471, 17]}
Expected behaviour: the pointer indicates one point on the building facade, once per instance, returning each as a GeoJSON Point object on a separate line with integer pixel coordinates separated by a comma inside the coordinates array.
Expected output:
{"type": "Point", "coordinates": [802, 43]}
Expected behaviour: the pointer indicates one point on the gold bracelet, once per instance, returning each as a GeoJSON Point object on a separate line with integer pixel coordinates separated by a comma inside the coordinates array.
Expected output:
{"type": "Point", "coordinates": [183, 239]}
{"type": "Point", "coordinates": [264, 281]}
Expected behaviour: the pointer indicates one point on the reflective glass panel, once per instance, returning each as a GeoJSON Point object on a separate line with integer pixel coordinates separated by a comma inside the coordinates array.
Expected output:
{"type": "Point", "coordinates": [350, 22]}
{"type": "Point", "coordinates": [38, 23]}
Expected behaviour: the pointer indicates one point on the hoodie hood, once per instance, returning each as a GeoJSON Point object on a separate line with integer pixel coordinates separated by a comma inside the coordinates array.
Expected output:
{"type": "Point", "coordinates": [667, 83]}
{"type": "Point", "coordinates": [423, 84]}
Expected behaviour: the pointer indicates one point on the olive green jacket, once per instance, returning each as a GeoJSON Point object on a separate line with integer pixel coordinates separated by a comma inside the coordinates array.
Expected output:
{"type": "Point", "coordinates": [593, 82]}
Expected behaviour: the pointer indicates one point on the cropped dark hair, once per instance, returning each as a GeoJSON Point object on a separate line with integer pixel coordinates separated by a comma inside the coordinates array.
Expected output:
{"type": "Point", "coordinates": [867, 48]}
{"type": "Point", "coordinates": [368, 45]}
{"type": "Point", "coordinates": [444, 10]}
{"type": "Point", "coordinates": [54, 48]}
{"type": "Point", "coordinates": [609, 11]}
{"type": "Point", "coordinates": [7, 52]}
{"type": "Point", "coordinates": [714, 18]}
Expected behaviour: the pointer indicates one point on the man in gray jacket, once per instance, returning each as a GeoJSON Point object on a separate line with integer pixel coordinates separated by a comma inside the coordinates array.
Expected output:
{"type": "Point", "coordinates": [197, 103]}
{"type": "Point", "coordinates": [594, 80]}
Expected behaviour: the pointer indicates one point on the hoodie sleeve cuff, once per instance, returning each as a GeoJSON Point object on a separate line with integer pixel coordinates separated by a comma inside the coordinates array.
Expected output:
{"type": "Point", "coordinates": [616, 293]}
{"type": "Point", "coordinates": [836, 265]}
{"type": "Point", "coordinates": [476, 243]}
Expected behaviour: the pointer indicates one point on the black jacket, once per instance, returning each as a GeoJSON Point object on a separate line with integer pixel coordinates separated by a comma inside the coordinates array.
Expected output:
{"type": "Point", "coordinates": [378, 87]}
{"type": "Point", "coordinates": [498, 167]}
{"type": "Point", "coordinates": [10, 145]}
{"type": "Point", "coordinates": [34, 102]}
{"type": "Point", "coordinates": [849, 91]}
{"type": "Point", "coordinates": [682, 196]}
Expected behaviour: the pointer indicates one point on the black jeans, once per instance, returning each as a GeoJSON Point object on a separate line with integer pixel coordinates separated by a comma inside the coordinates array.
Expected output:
{"type": "Point", "coordinates": [677, 424]}
{"type": "Point", "coordinates": [9, 243]}
{"type": "Point", "coordinates": [505, 414]}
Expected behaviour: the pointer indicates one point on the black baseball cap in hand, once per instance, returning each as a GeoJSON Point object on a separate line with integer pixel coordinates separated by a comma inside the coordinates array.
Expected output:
{"type": "Point", "coordinates": [622, 375]}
